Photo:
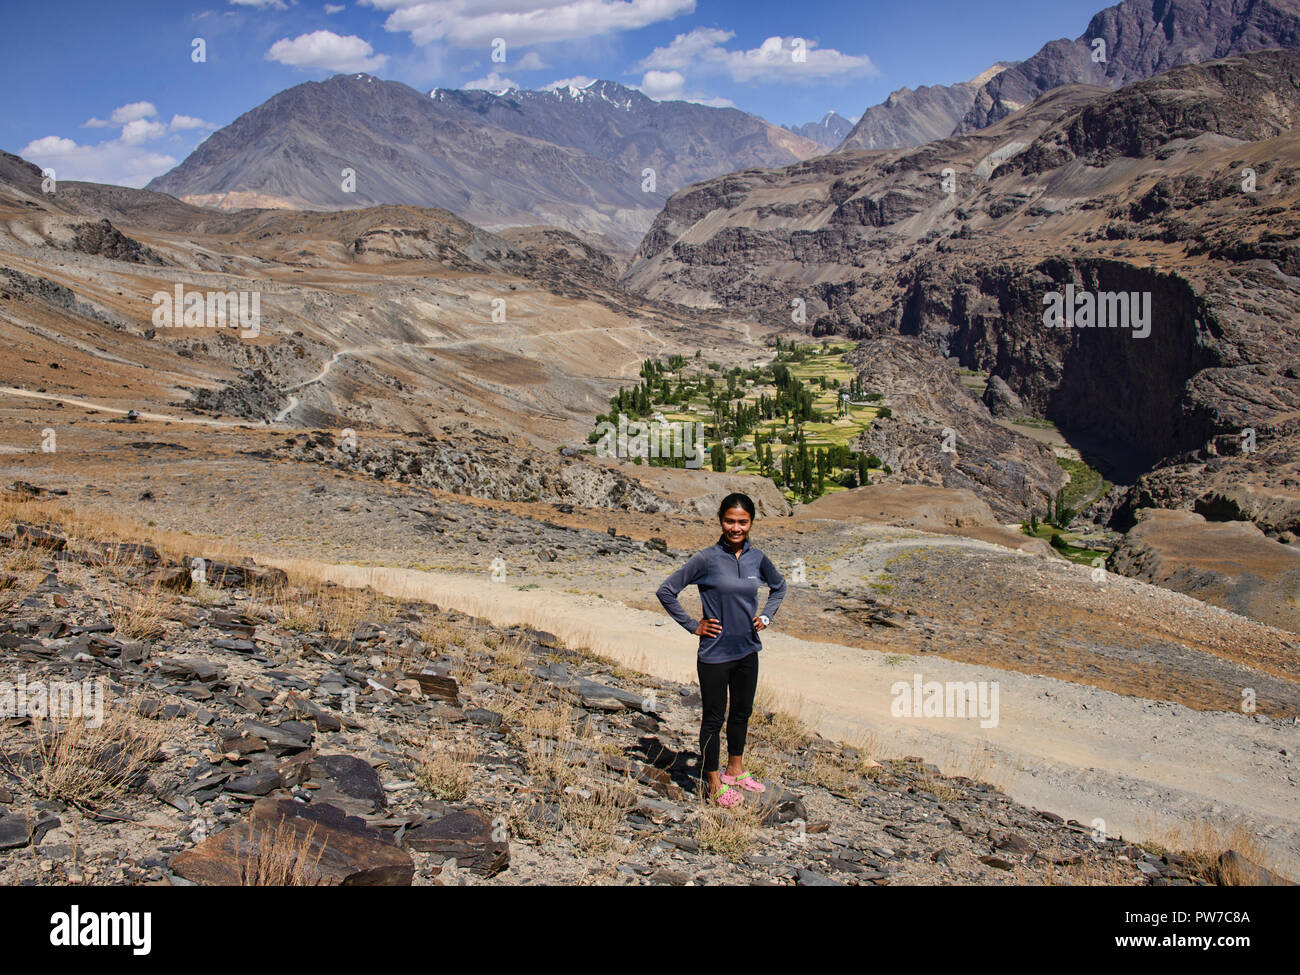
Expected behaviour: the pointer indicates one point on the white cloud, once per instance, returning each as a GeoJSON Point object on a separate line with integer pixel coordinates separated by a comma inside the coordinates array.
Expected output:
{"type": "Point", "coordinates": [493, 82]}
{"type": "Point", "coordinates": [123, 115]}
{"type": "Point", "coordinates": [108, 162]}
{"type": "Point", "coordinates": [577, 81]}
{"type": "Point", "coordinates": [141, 131]}
{"type": "Point", "coordinates": [661, 85]}
{"type": "Point", "coordinates": [471, 23]}
{"type": "Point", "coordinates": [703, 49]}
{"type": "Point", "coordinates": [670, 86]}
{"type": "Point", "coordinates": [123, 161]}
{"type": "Point", "coordinates": [702, 42]}
{"type": "Point", "coordinates": [259, 4]}
{"type": "Point", "coordinates": [50, 145]}
{"type": "Point", "coordinates": [334, 8]}
{"type": "Point", "coordinates": [184, 123]}
{"type": "Point", "coordinates": [531, 61]}
{"type": "Point", "coordinates": [325, 49]}
{"type": "Point", "coordinates": [138, 124]}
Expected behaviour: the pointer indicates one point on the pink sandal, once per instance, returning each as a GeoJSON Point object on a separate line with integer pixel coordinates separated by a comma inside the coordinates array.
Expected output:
{"type": "Point", "coordinates": [744, 780]}
{"type": "Point", "coordinates": [726, 797]}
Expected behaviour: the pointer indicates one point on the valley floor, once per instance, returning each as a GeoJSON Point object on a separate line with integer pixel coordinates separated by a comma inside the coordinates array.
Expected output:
{"type": "Point", "coordinates": [1120, 703]}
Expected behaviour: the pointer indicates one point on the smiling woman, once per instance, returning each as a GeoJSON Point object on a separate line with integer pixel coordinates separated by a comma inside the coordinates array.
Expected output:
{"type": "Point", "coordinates": [727, 574]}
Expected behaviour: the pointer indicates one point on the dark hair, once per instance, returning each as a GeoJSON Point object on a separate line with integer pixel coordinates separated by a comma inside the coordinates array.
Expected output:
{"type": "Point", "coordinates": [736, 501]}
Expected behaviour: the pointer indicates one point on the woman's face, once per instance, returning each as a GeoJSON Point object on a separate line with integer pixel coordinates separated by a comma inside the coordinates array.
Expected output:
{"type": "Point", "coordinates": [735, 525]}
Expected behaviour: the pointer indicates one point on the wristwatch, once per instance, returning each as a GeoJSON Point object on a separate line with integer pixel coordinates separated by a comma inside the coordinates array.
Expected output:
{"type": "Point", "coordinates": [766, 621]}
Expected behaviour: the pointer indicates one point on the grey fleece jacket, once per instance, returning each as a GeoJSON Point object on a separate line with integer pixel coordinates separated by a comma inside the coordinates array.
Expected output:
{"type": "Point", "coordinates": [729, 594]}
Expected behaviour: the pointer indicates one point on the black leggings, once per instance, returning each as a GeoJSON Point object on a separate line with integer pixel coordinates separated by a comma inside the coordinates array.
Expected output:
{"type": "Point", "coordinates": [741, 677]}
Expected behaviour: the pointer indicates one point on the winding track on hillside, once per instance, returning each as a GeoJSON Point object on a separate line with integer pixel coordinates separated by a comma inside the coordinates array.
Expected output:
{"type": "Point", "coordinates": [284, 414]}
{"type": "Point", "coordinates": [144, 415]}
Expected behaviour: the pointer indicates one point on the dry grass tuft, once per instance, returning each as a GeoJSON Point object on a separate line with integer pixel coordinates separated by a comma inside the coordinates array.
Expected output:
{"type": "Point", "coordinates": [555, 760]}
{"type": "Point", "coordinates": [509, 662]}
{"type": "Point", "coordinates": [311, 606]}
{"type": "Point", "coordinates": [294, 609]}
{"type": "Point", "coordinates": [441, 635]}
{"type": "Point", "coordinates": [729, 833]}
{"type": "Point", "coordinates": [140, 614]}
{"type": "Point", "coordinates": [88, 765]}
{"type": "Point", "coordinates": [1202, 842]}
{"type": "Point", "coordinates": [830, 771]}
{"type": "Point", "coordinates": [777, 722]}
{"type": "Point", "coordinates": [1091, 871]}
{"type": "Point", "coordinates": [592, 814]}
{"type": "Point", "coordinates": [282, 858]}
{"type": "Point", "coordinates": [977, 762]}
{"type": "Point", "coordinates": [23, 558]}
{"type": "Point", "coordinates": [446, 770]}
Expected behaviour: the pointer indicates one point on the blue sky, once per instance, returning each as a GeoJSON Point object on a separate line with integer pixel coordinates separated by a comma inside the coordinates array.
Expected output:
{"type": "Point", "coordinates": [112, 91]}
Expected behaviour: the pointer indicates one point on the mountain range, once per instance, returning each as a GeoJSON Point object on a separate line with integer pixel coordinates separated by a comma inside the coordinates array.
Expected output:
{"type": "Point", "coordinates": [1128, 42]}
{"type": "Point", "coordinates": [829, 131]}
{"type": "Point", "coordinates": [913, 117]}
{"type": "Point", "coordinates": [597, 160]}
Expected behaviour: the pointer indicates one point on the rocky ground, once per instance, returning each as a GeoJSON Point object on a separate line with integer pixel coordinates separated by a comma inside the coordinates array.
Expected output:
{"type": "Point", "coordinates": [874, 577]}
{"type": "Point", "coordinates": [260, 731]}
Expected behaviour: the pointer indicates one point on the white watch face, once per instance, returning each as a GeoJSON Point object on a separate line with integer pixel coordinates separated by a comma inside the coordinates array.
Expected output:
{"type": "Point", "coordinates": [766, 621]}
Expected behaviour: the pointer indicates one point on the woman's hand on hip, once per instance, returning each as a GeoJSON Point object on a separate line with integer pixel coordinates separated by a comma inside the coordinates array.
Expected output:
{"type": "Point", "coordinates": [709, 628]}
{"type": "Point", "coordinates": [759, 624]}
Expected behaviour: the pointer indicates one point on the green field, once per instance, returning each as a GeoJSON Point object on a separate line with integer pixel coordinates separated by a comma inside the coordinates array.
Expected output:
{"type": "Point", "coordinates": [795, 407]}
{"type": "Point", "coordinates": [1085, 484]}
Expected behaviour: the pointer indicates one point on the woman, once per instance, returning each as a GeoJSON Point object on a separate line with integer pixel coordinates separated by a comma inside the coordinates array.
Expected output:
{"type": "Point", "coordinates": [727, 574]}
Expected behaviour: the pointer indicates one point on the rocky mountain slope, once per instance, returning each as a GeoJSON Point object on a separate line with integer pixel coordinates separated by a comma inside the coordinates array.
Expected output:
{"type": "Point", "coordinates": [683, 142]}
{"type": "Point", "coordinates": [911, 117]}
{"type": "Point", "coordinates": [574, 158]}
{"type": "Point", "coordinates": [1128, 42]}
{"type": "Point", "coordinates": [1229, 563]}
{"type": "Point", "coordinates": [1182, 188]}
{"type": "Point", "coordinates": [938, 433]}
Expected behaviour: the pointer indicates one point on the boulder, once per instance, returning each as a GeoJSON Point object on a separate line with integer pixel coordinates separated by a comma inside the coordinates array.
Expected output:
{"type": "Point", "coordinates": [468, 837]}
{"type": "Point", "coordinates": [1002, 400]}
{"type": "Point", "coordinates": [329, 848]}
